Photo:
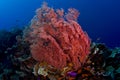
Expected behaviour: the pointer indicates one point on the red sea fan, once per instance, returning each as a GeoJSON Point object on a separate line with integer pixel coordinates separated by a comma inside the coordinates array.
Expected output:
{"type": "Point", "coordinates": [56, 38]}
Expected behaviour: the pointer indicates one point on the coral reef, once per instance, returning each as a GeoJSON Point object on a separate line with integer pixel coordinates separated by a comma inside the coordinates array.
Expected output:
{"type": "Point", "coordinates": [101, 64]}
{"type": "Point", "coordinates": [7, 39]}
{"type": "Point", "coordinates": [54, 47]}
{"type": "Point", "coordinates": [56, 38]}
{"type": "Point", "coordinates": [16, 62]}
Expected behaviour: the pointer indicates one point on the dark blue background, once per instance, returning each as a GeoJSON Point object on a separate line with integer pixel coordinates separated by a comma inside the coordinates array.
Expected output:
{"type": "Point", "coordinates": [99, 18]}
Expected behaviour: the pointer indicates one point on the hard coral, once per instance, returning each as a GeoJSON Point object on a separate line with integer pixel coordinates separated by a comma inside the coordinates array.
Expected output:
{"type": "Point", "coordinates": [57, 38]}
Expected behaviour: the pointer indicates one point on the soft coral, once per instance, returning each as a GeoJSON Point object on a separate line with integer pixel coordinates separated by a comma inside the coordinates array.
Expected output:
{"type": "Point", "coordinates": [57, 38]}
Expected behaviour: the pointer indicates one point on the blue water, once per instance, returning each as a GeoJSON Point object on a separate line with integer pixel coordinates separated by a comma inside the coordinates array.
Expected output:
{"type": "Point", "coordinates": [99, 18]}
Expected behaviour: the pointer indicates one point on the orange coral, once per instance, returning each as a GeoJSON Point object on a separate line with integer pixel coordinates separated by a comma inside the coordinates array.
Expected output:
{"type": "Point", "coordinates": [57, 38]}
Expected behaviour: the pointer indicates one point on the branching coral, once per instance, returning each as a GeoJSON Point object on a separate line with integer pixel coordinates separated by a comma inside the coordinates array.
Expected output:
{"type": "Point", "coordinates": [56, 38]}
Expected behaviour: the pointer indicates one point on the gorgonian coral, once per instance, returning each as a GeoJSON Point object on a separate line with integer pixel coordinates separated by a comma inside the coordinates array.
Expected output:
{"type": "Point", "coordinates": [56, 38]}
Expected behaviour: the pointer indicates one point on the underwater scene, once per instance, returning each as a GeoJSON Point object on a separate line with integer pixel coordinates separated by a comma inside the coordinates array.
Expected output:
{"type": "Point", "coordinates": [59, 39]}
